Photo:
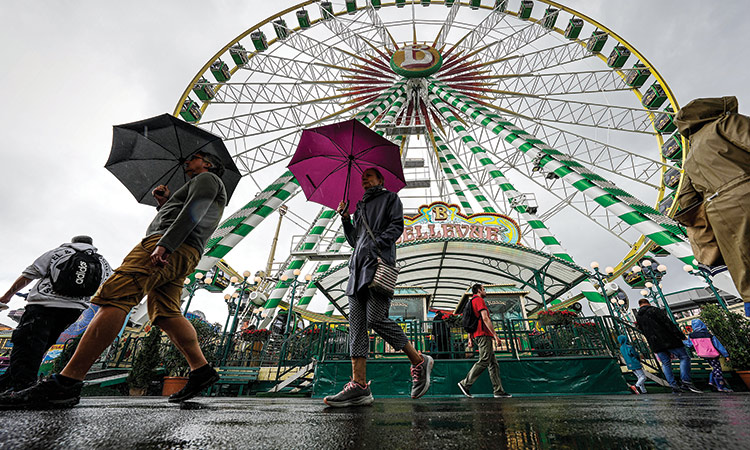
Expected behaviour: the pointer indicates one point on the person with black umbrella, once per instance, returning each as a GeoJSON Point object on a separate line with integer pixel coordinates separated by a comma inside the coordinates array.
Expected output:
{"type": "Point", "coordinates": [156, 267]}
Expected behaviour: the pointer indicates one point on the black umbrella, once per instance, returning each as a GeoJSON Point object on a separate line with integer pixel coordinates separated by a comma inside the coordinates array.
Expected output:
{"type": "Point", "coordinates": [151, 152]}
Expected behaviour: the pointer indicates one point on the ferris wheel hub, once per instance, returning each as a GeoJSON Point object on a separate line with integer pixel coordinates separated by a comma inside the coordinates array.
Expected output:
{"type": "Point", "coordinates": [416, 61]}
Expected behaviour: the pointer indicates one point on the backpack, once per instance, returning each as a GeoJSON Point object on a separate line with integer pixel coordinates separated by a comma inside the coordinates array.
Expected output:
{"type": "Point", "coordinates": [469, 320]}
{"type": "Point", "coordinates": [78, 275]}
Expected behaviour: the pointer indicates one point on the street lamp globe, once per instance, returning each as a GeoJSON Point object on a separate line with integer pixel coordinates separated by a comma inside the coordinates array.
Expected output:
{"type": "Point", "coordinates": [199, 275]}
{"type": "Point", "coordinates": [609, 269]}
{"type": "Point", "coordinates": [636, 269]}
{"type": "Point", "coordinates": [644, 292]}
{"type": "Point", "coordinates": [246, 274]}
{"type": "Point", "coordinates": [661, 268]}
{"type": "Point", "coordinates": [594, 265]}
{"type": "Point", "coordinates": [308, 277]}
{"type": "Point", "coordinates": [646, 263]}
{"type": "Point", "coordinates": [235, 294]}
{"type": "Point", "coordinates": [621, 302]}
{"type": "Point", "coordinates": [687, 268]}
{"type": "Point", "coordinates": [186, 282]}
{"type": "Point", "coordinates": [296, 272]}
{"type": "Point", "coordinates": [208, 280]}
{"type": "Point", "coordinates": [649, 284]}
{"type": "Point", "coordinates": [227, 296]}
{"type": "Point", "coordinates": [234, 280]}
{"type": "Point", "coordinates": [284, 277]}
{"type": "Point", "coordinates": [257, 279]}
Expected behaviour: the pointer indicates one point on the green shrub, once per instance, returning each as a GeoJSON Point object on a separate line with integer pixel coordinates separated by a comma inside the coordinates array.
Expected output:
{"type": "Point", "coordinates": [175, 364]}
{"type": "Point", "coordinates": [733, 330]}
{"type": "Point", "coordinates": [147, 360]}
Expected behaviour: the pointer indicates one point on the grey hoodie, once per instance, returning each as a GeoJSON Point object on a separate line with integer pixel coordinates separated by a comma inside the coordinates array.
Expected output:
{"type": "Point", "coordinates": [41, 293]}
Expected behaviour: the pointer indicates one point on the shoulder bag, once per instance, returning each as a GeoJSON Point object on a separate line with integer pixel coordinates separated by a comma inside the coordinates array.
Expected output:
{"type": "Point", "coordinates": [386, 275]}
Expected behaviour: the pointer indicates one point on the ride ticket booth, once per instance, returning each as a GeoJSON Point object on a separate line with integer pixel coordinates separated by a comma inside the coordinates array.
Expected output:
{"type": "Point", "coordinates": [409, 303]}
{"type": "Point", "coordinates": [504, 301]}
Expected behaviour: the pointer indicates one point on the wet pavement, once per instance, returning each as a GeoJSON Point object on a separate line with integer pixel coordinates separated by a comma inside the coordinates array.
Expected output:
{"type": "Point", "coordinates": [624, 421]}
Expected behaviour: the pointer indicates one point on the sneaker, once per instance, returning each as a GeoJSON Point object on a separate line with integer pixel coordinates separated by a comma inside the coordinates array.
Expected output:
{"type": "Point", "coordinates": [353, 394]}
{"type": "Point", "coordinates": [634, 389]}
{"type": "Point", "coordinates": [465, 390]}
{"type": "Point", "coordinates": [198, 380]}
{"type": "Point", "coordinates": [420, 376]}
{"type": "Point", "coordinates": [46, 394]}
{"type": "Point", "coordinates": [691, 387]}
{"type": "Point", "coordinates": [678, 389]}
{"type": "Point", "coordinates": [502, 394]}
{"type": "Point", "coordinates": [724, 389]}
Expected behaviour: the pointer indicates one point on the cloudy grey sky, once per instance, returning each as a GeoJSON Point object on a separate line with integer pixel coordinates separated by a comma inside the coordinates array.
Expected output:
{"type": "Point", "coordinates": [73, 69]}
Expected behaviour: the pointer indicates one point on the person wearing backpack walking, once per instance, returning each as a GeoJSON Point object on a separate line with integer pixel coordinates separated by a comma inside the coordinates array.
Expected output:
{"type": "Point", "coordinates": [68, 276]}
{"type": "Point", "coordinates": [476, 321]}
{"type": "Point", "coordinates": [708, 347]}
{"type": "Point", "coordinates": [156, 269]}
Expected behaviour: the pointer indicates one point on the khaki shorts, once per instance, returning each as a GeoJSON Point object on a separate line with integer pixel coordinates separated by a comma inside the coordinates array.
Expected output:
{"type": "Point", "coordinates": [137, 277]}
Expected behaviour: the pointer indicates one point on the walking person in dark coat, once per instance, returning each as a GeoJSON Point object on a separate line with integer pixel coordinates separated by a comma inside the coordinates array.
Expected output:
{"type": "Point", "coordinates": [441, 334]}
{"type": "Point", "coordinates": [384, 214]}
{"type": "Point", "coordinates": [665, 339]}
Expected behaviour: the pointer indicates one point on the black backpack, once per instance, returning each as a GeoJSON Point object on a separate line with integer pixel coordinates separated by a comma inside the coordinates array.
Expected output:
{"type": "Point", "coordinates": [79, 275]}
{"type": "Point", "coordinates": [469, 320]}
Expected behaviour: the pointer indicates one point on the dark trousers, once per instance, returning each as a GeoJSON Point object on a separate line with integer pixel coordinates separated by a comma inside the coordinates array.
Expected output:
{"type": "Point", "coordinates": [38, 330]}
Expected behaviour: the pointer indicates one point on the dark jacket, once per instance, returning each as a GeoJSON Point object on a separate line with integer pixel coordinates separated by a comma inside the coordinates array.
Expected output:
{"type": "Point", "coordinates": [385, 215]}
{"type": "Point", "coordinates": [661, 333]}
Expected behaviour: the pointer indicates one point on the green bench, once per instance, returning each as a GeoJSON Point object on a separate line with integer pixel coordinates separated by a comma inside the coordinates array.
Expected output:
{"type": "Point", "coordinates": [237, 376]}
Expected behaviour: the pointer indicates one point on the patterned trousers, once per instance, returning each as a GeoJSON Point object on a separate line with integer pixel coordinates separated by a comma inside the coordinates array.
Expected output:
{"type": "Point", "coordinates": [717, 376]}
{"type": "Point", "coordinates": [367, 310]}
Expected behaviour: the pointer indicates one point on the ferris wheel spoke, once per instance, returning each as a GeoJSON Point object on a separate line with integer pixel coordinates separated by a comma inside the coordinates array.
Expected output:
{"type": "Point", "coordinates": [291, 69]}
{"type": "Point", "coordinates": [558, 84]}
{"type": "Point", "coordinates": [447, 25]}
{"type": "Point", "coordinates": [579, 113]}
{"type": "Point", "coordinates": [537, 61]}
{"type": "Point", "coordinates": [276, 93]}
{"type": "Point", "coordinates": [475, 37]}
{"type": "Point", "coordinates": [519, 39]}
{"type": "Point", "coordinates": [359, 38]}
{"type": "Point", "coordinates": [609, 158]}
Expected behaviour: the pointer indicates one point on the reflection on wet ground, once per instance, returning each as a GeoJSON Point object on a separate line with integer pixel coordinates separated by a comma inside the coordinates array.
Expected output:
{"type": "Point", "coordinates": [628, 422]}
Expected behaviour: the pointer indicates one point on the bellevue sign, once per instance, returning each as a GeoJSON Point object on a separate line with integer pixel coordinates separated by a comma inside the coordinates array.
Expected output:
{"type": "Point", "coordinates": [440, 220]}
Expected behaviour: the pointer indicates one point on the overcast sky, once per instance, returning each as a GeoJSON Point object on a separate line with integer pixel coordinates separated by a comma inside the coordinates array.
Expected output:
{"type": "Point", "coordinates": [75, 68]}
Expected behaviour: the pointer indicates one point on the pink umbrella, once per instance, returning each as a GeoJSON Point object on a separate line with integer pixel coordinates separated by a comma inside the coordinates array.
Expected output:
{"type": "Point", "coordinates": [329, 162]}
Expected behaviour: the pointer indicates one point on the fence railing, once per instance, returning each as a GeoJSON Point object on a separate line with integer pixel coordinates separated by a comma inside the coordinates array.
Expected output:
{"type": "Point", "coordinates": [519, 338]}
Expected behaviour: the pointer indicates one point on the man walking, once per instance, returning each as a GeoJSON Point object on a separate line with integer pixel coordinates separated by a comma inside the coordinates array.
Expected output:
{"type": "Point", "coordinates": [49, 311]}
{"type": "Point", "coordinates": [156, 267]}
{"type": "Point", "coordinates": [483, 338]}
{"type": "Point", "coordinates": [665, 339]}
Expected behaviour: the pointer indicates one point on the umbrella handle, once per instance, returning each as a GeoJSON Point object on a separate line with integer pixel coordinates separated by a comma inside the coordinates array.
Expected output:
{"type": "Point", "coordinates": [346, 186]}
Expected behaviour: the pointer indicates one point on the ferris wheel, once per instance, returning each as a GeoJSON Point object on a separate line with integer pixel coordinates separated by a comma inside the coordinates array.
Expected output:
{"type": "Point", "coordinates": [525, 108]}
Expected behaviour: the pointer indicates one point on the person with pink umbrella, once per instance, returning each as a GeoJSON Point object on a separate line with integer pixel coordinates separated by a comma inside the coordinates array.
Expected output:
{"type": "Point", "coordinates": [326, 162]}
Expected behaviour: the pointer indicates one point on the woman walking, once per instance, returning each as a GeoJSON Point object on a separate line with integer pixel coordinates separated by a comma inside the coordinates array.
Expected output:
{"type": "Point", "coordinates": [381, 211]}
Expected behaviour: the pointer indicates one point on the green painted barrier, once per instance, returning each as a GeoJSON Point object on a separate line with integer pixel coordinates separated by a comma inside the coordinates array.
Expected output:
{"type": "Point", "coordinates": [538, 376]}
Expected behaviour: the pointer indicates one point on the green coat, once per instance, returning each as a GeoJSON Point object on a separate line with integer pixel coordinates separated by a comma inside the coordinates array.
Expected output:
{"type": "Point", "coordinates": [717, 177]}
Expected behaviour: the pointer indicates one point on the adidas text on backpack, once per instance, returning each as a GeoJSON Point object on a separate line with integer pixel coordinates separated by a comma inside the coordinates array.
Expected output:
{"type": "Point", "coordinates": [78, 275]}
{"type": "Point", "coordinates": [469, 320]}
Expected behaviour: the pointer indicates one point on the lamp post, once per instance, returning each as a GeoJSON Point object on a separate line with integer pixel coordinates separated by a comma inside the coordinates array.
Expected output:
{"type": "Point", "coordinates": [600, 278]}
{"type": "Point", "coordinates": [200, 281]}
{"type": "Point", "coordinates": [233, 301]}
{"type": "Point", "coordinates": [707, 278]}
{"type": "Point", "coordinates": [295, 282]}
{"type": "Point", "coordinates": [647, 271]}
